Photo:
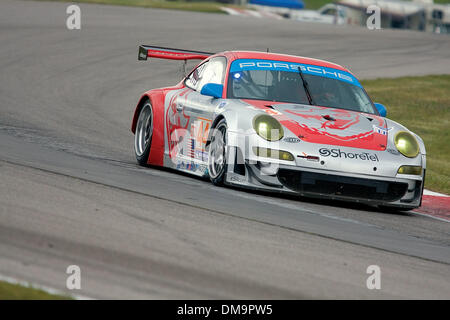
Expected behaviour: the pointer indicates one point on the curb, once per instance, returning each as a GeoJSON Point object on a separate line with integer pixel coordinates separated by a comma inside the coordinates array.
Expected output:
{"type": "Point", "coordinates": [251, 13]}
{"type": "Point", "coordinates": [435, 205]}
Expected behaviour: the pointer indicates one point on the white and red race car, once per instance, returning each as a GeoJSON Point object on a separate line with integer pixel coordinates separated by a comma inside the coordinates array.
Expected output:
{"type": "Point", "coordinates": [278, 123]}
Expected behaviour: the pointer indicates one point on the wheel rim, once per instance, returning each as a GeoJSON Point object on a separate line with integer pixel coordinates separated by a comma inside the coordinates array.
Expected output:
{"type": "Point", "coordinates": [217, 152]}
{"type": "Point", "coordinates": [144, 130]}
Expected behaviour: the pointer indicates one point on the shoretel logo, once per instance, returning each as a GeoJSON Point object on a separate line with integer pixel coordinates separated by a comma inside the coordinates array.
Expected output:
{"type": "Point", "coordinates": [337, 153]}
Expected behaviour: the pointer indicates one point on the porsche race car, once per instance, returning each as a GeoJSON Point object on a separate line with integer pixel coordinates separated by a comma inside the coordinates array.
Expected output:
{"type": "Point", "coordinates": [279, 123]}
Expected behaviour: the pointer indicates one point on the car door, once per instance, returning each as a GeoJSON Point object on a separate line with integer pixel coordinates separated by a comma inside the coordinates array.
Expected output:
{"type": "Point", "coordinates": [200, 108]}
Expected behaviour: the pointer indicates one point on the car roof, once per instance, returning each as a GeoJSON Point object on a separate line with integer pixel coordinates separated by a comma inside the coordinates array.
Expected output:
{"type": "Point", "coordinates": [234, 55]}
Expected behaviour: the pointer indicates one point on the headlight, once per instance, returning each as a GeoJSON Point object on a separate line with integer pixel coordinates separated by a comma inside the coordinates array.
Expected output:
{"type": "Point", "coordinates": [271, 153]}
{"type": "Point", "coordinates": [406, 144]}
{"type": "Point", "coordinates": [268, 127]}
{"type": "Point", "coordinates": [415, 170]}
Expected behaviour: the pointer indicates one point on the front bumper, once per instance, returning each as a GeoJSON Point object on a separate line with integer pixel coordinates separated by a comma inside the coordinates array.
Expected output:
{"type": "Point", "coordinates": [322, 183]}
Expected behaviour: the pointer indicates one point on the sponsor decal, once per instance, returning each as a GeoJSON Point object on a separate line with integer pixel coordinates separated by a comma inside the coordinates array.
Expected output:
{"type": "Point", "coordinates": [393, 151]}
{"type": "Point", "coordinates": [176, 123]}
{"type": "Point", "coordinates": [201, 155]}
{"type": "Point", "coordinates": [195, 77]}
{"type": "Point", "coordinates": [192, 149]}
{"type": "Point", "coordinates": [203, 169]}
{"type": "Point", "coordinates": [198, 138]}
{"type": "Point", "coordinates": [236, 178]}
{"type": "Point", "coordinates": [258, 64]}
{"type": "Point", "coordinates": [308, 157]}
{"type": "Point", "coordinates": [192, 166]}
{"type": "Point", "coordinates": [222, 104]}
{"type": "Point", "coordinates": [199, 132]}
{"type": "Point", "coordinates": [292, 139]}
{"type": "Point", "coordinates": [381, 130]}
{"type": "Point", "coordinates": [337, 153]}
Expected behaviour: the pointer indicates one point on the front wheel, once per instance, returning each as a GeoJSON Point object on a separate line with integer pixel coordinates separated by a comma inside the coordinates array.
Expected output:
{"type": "Point", "coordinates": [217, 154]}
{"type": "Point", "coordinates": [143, 134]}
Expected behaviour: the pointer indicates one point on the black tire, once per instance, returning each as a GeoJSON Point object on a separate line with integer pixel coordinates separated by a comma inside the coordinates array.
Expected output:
{"type": "Point", "coordinates": [217, 152]}
{"type": "Point", "coordinates": [143, 134]}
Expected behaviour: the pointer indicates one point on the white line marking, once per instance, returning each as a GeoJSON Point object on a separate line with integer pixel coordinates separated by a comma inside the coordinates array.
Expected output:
{"type": "Point", "coordinates": [430, 216]}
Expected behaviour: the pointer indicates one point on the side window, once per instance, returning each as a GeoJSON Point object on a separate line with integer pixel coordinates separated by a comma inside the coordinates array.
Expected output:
{"type": "Point", "coordinates": [212, 71]}
{"type": "Point", "coordinates": [194, 78]}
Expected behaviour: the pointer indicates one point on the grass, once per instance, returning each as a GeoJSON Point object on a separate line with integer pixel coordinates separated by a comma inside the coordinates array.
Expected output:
{"type": "Point", "coordinates": [441, 1]}
{"type": "Point", "coordinates": [316, 4]}
{"type": "Point", "coordinates": [199, 6]}
{"type": "Point", "coordinates": [10, 291]}
{"type": "Point", "coordinates": [422, 104]}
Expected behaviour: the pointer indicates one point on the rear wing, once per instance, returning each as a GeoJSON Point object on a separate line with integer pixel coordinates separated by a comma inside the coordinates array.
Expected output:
{"type": "Point", "coordinates": [170, 53]}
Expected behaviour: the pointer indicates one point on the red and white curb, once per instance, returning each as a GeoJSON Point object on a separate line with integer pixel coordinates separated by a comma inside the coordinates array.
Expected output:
{"type": "Point", "coordinates": [435, 205]}
{"type": "Point", "coordinates": [251, 13]}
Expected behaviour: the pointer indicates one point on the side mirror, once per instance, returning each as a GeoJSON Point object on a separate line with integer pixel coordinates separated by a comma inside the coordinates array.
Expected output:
{"type": "Point", "coordinates": [213, 90]}
{"type": "Point", "coordinates": [381, 109]}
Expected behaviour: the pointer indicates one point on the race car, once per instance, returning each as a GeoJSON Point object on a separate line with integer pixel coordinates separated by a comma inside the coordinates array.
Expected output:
{"type": "Point", "coordinates": [280, 123]}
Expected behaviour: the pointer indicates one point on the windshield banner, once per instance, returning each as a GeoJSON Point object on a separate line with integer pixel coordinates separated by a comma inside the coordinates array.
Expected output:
{"type": "Point", "coordinates": [255, 64]}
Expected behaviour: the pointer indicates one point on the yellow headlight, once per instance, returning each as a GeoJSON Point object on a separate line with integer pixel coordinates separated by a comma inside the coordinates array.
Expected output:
{"type": "Point", "coordinates": [415, 170]}
{"type": "Point", "coordinates": [406, 144]}
{"type": "Point", "coordinates": [268, 127]}
{"type": "Point", "coordinates": [274, 154]}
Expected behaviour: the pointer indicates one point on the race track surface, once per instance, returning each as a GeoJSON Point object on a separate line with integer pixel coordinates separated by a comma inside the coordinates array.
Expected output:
{"type": "Point", "coordinates": [71, 193]}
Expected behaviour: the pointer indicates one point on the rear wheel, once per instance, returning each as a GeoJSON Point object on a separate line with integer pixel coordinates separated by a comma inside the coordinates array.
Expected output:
{"type": "Point", "coordinates": [143, 134]}
{"type": "Point", "coordinates": [217, 154]}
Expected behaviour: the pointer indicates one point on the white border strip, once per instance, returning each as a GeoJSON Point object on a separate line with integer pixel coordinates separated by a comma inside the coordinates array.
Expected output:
{"type": "Point", "coordinates": [43, 288]}
{"type": "Point", "coordinates": [231, 11]}
{"type": "Point", "coordinates": [430, 216]}
{"type": "Point", "coordinates": [250, 13]}
{"type": "Point", "coordinates": [432, 193]}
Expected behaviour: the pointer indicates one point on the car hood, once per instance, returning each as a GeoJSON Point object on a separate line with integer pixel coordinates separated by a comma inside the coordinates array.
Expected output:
{"type": "Point", "coordinates": [330, 126]}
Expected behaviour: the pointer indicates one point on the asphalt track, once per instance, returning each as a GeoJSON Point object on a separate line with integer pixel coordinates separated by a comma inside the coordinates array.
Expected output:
{"type": "Point", "coordinates": [71, 192]}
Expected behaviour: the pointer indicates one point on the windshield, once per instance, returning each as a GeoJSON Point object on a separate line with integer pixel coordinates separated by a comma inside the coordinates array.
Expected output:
{"type": "Point", "coordinates": [281, 82]}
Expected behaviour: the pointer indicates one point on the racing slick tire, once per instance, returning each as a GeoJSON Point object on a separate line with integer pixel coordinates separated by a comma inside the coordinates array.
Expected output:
{"type": "Point", "coordinates": [143, 134]}
{"type": "Point", "coordinates": [217, 154]}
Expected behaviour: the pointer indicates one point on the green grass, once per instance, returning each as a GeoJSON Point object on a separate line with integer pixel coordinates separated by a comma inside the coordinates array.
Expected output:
{"type": "Point", "coordinates": [10, 291]}
{"type": "Point", "coordinates": [315, 4]}
{"type": "Point", "coordinates": [422, 104]}
{"type": "Point", "coordinates": [199, 6]}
